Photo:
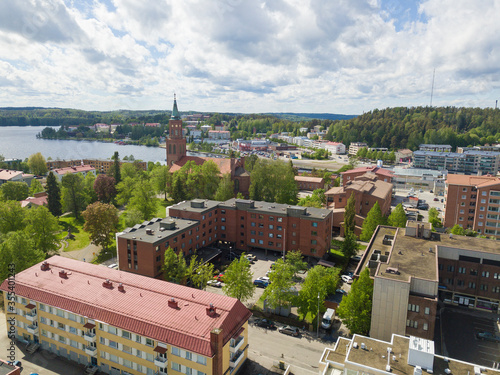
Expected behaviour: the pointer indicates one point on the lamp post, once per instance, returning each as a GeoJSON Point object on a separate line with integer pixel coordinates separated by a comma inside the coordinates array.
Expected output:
{"type": "Point", "coordinates": [317, 325]}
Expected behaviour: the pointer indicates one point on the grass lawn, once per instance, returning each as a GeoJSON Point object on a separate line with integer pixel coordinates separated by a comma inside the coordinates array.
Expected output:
{"type": "Point", "coordinates": [362, 247]}
{"type": "Point", "coordinates": [81, 239]}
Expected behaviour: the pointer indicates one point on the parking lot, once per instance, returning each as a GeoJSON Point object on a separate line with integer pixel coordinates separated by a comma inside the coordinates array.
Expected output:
{"type": "Point", "coordinates": [459, 327]}
{"type": "Point", "coordinates": [426, 195]}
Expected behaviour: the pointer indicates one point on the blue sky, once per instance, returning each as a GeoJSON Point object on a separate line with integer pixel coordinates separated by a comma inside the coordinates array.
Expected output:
{"type": "Point", "coordinates": [337, 56]}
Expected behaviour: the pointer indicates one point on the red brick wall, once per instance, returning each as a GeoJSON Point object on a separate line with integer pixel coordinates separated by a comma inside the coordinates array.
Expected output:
{"type": "Point", "coordinates": [421, 317]}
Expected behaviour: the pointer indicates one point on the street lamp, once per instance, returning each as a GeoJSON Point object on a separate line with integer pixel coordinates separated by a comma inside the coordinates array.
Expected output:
{"type": "Point", "coordinates": [317, 328]}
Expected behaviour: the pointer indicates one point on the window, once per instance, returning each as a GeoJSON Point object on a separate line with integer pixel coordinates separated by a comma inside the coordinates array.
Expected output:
{"type": "Point", "coordinates": [252, 224]}
{"type": "Point", "coordinates": [314, 224]}
{"type": "Point", "coordinates": [473, 272]}
{"type": "Point", "coordinates": [62, 339]}
{"type": "Point", "coordinates": [176, 367]}
{"type": "Point", "coordinates": [411, 323]}
{"type": "Point", "coordinates": [175, 351]}
{"type": "Point", "coordinates": [61, 326]}
{"type": "Point", "coordinates": [127, 363]}
{"type": "Point", "coordinates": [481, 208]}
{"type": "Point", "coordinates": [271, 235]}
{"type": "Point", "coordinates": [261, 216]}
{"type": "Point", "coordinates": [483, 200]}
{"type": "Point", "coordinates": [460, 283]}
{"type": "Point", "coordinates": [279, 227]}
{"type": "Point", "coordinates": [271, 226]}
{"type": "Point", "coordinates": [462, 269]}
{"type": "Point", "coordinates": [113, 344]}
{"type": "Point", "coordinates": [425, 327]}
{"type": "Point", "coordinates": [472, 285]}
{"type": "Point", "coordinates": [149, 342]}
{"type": "Point", "coordinates": [73, 330]}
{"type": "Point", "coordinates": [222, 211]}
{"type": "Point", "coordinates": [203, 217]}
{"type": "Point", "coordinates": [261, 242]}
{"type": "Point", "coordinates": [252, 232]}
{"type": "Point", "coordinates": [464, 196]}
{"type": "Point", "coordinates": [137, 338]}
{"type": "Point", "coordinates": [138, 353]}
{"type": "Point", "coordinates": [496, 289]}
{"type": "Point", "coordinates": [113, 358]}
{"type": "Point", "coordinates": [252, 216]}
{"type": "Point", "coordinates": [242, 217]}
{"type": "Point", "coordinates": [280, 220]}
{"type": "Point", "coordinates": [496, 275]}
{"type": "Point", "coordinates": [427, 311]}
{"type": "Point", "coordinates": [224, 220]}
{"type": "Point", "coordinates": [202, 361]}
{"type": "Point", "coordinates": [102, 340]}
{"type": "Point", "coordinates": [485, 274]}
{"type": "Point", "coordinates": [261, 233]}
{"type": "Point", "coordinates": [60, 313]}
{"type": "Point", "coordinates": [223, 227]}
{"type": "Point", "coordinates": [414, 308]}
{"type": "Point", "coordinates": [314, 233]}
{"type": "Point", "coordinates": [314, 242]}
{"type": "Point", "coordinates": [484, 287]}
{"type": "Point", "coordinates": [270, 243]}
{"type": "Point", "coordinates": [461, 211]}
{"type": "Point", "coordinates": [480, 223]}
{"type": "Point", "coordinates": [252, 240]}
{"type": "Point", "coordinates": [189, 355]}
{"type": "Point", "coordinates": [127, 349]}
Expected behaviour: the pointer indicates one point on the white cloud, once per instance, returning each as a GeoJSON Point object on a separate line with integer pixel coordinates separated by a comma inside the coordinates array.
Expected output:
{"type": "Point", "coordinates": [344, 56]}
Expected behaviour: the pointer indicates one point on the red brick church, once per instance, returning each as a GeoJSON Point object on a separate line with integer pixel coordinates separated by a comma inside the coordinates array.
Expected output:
{"type": "Point", "coordinates": [176, 156]}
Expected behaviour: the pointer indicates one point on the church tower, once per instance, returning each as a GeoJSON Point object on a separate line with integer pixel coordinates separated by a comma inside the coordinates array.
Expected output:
{"type": "Point", "coordinates": [175, 143]}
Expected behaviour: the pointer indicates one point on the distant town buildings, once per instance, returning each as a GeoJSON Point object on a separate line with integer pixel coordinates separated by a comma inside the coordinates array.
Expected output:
{"type": "Point", "coordinates": [435, 148]}
{"type": "Point", "coordinates": [121, 323]}
{"type": "Point", "coordinates": [419, 178]}
{"type": "Point", "coordinates": [403, 155]}
{"type": "Point", "coordinates": [473, 202]}
{"type": "Point", "coordinates": [100, 165]}
{"type": "Point", "coordinates": [468, 162]}
{"type": "Point", "coordinates": [7, 175]}
{"type": "Point", "coordinates": [336, 148]}
{"type": "Point", "coordinates": [367, 190]}
{"type": "Point", "coordinates": [413, 268]}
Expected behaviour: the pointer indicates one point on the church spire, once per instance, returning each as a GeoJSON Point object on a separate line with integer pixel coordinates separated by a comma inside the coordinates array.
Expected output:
{"type": "Point", "coordinates": [175, 111]}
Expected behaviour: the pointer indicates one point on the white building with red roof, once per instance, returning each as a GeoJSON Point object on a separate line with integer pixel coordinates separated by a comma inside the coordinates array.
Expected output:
{"type": "Point", "coordinates": [83, 169]}
{"type": "Point", "coordinates": [126, 323]}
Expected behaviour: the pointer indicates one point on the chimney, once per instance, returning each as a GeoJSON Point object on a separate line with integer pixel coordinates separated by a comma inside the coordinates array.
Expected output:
{"type": "Point", "coordinates": [211, 310]}
{"type": "Point", "coordinates": [173, 303]}
{"type": "Point", "coordinates": [216, 343]}
{"type": "Point", "coordinates": [107, 284]}
{"type": "Point", "coordinates": [63, 274]}
{"type": "Point", "coordinates": [121, 288]}
{"type": "Point", "coordinates": [45, 266]}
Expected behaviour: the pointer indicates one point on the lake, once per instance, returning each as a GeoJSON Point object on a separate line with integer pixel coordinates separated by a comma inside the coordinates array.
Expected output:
{"type": "Point", "coordinates": [19, 142]}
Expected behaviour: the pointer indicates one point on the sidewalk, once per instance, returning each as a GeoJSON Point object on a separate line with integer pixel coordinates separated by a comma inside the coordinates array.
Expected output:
{"type": "Point", "coordinates": [87, 254]}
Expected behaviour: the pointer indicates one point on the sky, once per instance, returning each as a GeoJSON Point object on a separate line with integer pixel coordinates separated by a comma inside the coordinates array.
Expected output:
{"type": "Point", "coordinates": [247, 56]}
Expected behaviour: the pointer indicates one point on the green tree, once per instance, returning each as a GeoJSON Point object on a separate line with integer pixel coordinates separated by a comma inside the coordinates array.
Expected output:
{"type": "Point", "coordinates": [37, 164]}
{"type": "Point", "coordinates": [15, 190]}
{"type": "Point", "coordinates": [125, 189]}
{"type": "Point", "coordinates": [174, 267]}
{"type": "Point", "coordinates": [279, 293]}
{"type": "Point", "coordinates": [434, 218]}
{"type": "Point", "coordinates": [18, 249]}
{"type": "Point", "coordinates": [349, 214]}
{"type": "Point", "coordinates": [238, 280]}
{"type": "Point", "coordinates": [397, 218]}
{"type": "Point", "coordinates": [74, 193]}
{"type": "Point", "coordinates": [225, 190]}
{"type": "Point", "coordinates": [296, 260]}
{"type": "Point", "coordinates": [273, 181]}
{"type": "Point", "coordinates": [320, 281]}
{"type": "Point", "coordinates": [42, 228]}
{"type": "Point", "coordinates": [11, 216]}
{"type": "Point", "coordinates": [115, 169]}
{"type": "Point", "coordinates": [317, 199]}
{"type": "Point", "coordinates": [458, 230]}
{"type": "Point", "coordinates": [356, 308]}
{"type": "Point", "coordinates": [90, 194]}
{"type": "Point", "coordinates": [143, 199]}
{"type": "Point", "coordinates": [161, 178]}
{"type": "Point", "coordinates": [132, 217]}
{"type": "Point", "coordinates": [101, 221]}
{"type": "Point", "coordinates": [350, 245]}
{"type": "Point", "coordinates": [373, 219]}
{"type": "Point", "coordinates": [199, 273]}
{"type": "Point", "coordinates": [53, 195]}
{"type": "Point", "coordinates": [35, 187]}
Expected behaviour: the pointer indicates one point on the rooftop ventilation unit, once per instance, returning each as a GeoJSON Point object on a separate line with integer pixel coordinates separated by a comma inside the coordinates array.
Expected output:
{"type": "Point", "coordinates": [107, 284]}
{"type": "Point", "coordinates": [417, 370]}
{"type": "Point", "coordinates": [63, 274]}
{"type": "Point", "coordinates": [447, 370]}
{"type": "Point", "coordinates": [363, 346]}
{"type": "Point", "coordinates": [173, 303]}
{"type": "Point", "coordinates": [121, 288]}
{"type": "Point", "coordinates": [45, 266]}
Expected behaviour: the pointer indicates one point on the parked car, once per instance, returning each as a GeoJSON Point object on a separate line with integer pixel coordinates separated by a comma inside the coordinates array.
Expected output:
{"type": "Point", "coordinates": [341, 291]}
{"type": "Point", "coordinates": [424, 207]}
{"type": "Point", "coordinates": [260, 283]}
{"type": "Point", "coordinates": [356, 258]}
{"type": "Point", "coordinates": [219, 277]}
{"type": "Point", "coordinates": [251, 257]}
{"type": "Point", "coordinates": [265, 278]}
{"type": "Point", "coordinates": [114, 266]}
{"type": "Point", "coordinates": [346, 279]}
{"type": "Point", "coordinates": [215, 283]}
{"type": "Point", "coordinates": [265, 323]}
{"type": "Point", "coordinates": [348, 273]}
{"type": "Point", "coordinates": [442, 200]}
{"type": "Point", "coordinates": [431, 191]}
{"type": "Point", "coordinates": [488, 336]}
{"type": "Point", "coordinates": [291, 331]}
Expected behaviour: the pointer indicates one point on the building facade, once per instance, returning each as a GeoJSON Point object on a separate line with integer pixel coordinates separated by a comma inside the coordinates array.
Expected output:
{"type": "Point", "coordinates": [433, 147]}
{"type": "Point", "coordinates": [175, 144]}
{"type": "Point", "coordinates": [381, 173]}
{"type": "Point", "coordinates": [468, 162]}
{"type": "Point", "coordinates": [336, 148]}
{"type": "Point", "coordinates": [356, 146]}
{"type": "Point", "coordinates": [100, 165]}
{"type": "Point", "coordinates": [473, 202]}
{"type": "Point", "coordinates": [309, 183]}
{"type": "Point", "coordinates": [413, 268]}
{"type": "Point", "coordinates": [83, 169]}
{"type": "Point", "coordinates": [126, 324]}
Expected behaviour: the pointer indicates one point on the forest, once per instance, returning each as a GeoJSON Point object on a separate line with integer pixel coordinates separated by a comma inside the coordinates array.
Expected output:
{"type": "Point", "coordinates": [394, 128]}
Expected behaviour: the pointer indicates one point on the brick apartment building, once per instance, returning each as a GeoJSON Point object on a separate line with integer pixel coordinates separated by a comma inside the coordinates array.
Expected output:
{"type": "Point", "coordinates": [309, 183]}
{"type": "Point", "coordinates": [244, 224]}
{"type": "Point", "coordinates": [473, 202]}
{"type": "Point", "coordinates": [413, 267]}
{"type": "Point", "coordinates": [126, 324]}
{"type": "Point", "coordinates": [367, 190]}
{"type": "Point", "coordinates": [100, 165]}
{"type": "Point", "coordinates": [382, 174]}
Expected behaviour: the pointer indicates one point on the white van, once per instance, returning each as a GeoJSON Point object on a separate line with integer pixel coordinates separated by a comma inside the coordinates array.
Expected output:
{"type": "Point", "coordinates": [328, 318]}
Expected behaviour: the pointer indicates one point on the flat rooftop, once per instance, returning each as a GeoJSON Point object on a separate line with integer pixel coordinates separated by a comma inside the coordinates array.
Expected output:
{"type": "Point", "coordinates": [155, 231]}
{"type": "Point", "coordinates": [205, 207]}
{"type": "Point", "coordinates": [374, 356]}
{"type": "Point", "coordinates": [410, 256]}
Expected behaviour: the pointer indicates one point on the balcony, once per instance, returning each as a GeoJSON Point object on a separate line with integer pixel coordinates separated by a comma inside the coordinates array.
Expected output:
{"type": "Point", "coordinates": [236, 344]}
{"type": "Point", "coordinates": [32, 330]}
{"type": "Point", "coordinates": [88, 336]}
{"type": "Point", "coordinates": [31, 317]}
{"type": "Point", "coordinates": [161, 362]}
{"type": "Point", "coordinates": [236, 360]}
{"type": "Point", "coordinates": [90, 350]}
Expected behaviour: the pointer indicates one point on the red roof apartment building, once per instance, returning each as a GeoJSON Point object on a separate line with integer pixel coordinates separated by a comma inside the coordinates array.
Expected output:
{"type": "Point", "coordinates": [244, 224]}
{"type": "Point", "coordinates": [473, 202]}
{"type": "Point", "coordinates": [382, 174]}
{"type": "Point", "coordinates": [309, 183]}
{"type": "Point", "coordinates": [123, 323]}
{"type": "Point", "coordinates": [367, 190]}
